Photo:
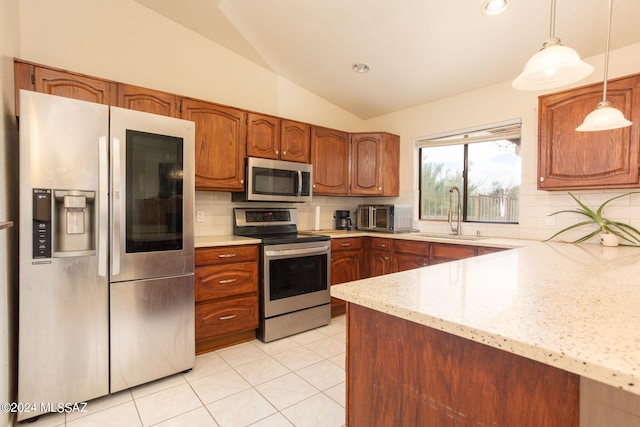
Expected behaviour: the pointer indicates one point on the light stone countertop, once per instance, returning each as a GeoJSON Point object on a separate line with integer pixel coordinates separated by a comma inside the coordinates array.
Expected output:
{"type": "Point", "coordinates": [223, 240]}
{"type": "Point", "coordinates": [575, 307]}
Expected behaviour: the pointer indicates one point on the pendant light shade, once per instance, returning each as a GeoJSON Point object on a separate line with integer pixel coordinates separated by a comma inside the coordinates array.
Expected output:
{"type": "Point", "coordinates": [604, 117]}
{"type": "Point", "coordinates": [552, 66]}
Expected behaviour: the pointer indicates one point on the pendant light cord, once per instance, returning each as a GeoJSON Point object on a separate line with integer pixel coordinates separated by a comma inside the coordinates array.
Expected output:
{"type": "Point", "coordinates": [606, 54]}
{"type": "Point", "coordinates": [552, 25]}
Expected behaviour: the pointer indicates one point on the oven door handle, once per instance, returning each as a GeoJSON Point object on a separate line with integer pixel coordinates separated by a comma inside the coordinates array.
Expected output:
{"type": "Point", "coordinates": [301, 251]}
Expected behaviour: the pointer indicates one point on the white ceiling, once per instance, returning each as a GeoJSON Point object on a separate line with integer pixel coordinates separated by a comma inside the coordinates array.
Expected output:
{"type": "Point", "coordinates": [418, 50]}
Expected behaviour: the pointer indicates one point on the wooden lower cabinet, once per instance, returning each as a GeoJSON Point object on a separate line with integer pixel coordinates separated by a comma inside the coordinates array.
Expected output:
{"type": "Point", "coordinates": [400, 373]}
{"type": "Point", "coordinates": [379, 253]}
{"type": "Point", "coordinates": [444, 252]}
{"type": "Point", "coordinates": [346, 266]}
{"type": "Point", "coordinates": [410, 254]}
{"type": "Point", "coordinates": [226, 281]}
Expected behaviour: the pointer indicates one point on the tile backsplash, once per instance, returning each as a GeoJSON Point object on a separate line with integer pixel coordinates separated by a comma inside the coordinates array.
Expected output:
{"type": "Point", "coordinates": [534, 224]}
{"type": "Point", "coordinates": [218, 211]}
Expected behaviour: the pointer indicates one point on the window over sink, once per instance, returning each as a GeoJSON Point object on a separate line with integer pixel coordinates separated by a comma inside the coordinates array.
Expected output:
{"type": "Point", "coordinates": [483, 162]}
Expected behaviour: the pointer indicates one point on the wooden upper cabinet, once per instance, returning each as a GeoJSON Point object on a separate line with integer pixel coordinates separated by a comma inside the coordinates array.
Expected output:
{"type": "Point", "coordinates": [273, 138]}
{"type": "Point", "coordinates": [147, 100]}
{"type": "Point", "coordinates": [330, 159]}
{"type": "Point", "coordinates": [569, 159]}
{"type": "Point", "coordinates": [37, 78]}
{"type": "Point", "coordinates": [220, 145]}
{"type": "Point", "coordinates": [295, 141]}
{"type": "Point", "coordinates": [76, 86]}
{"type": "Point", "coordinates": [263, 136]}
{"type": "Point", "coordinates": [375, 164]}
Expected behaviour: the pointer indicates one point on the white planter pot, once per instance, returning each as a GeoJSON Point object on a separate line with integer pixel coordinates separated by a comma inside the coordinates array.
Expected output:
{"type": "Point", "coordinates": [608, 239]}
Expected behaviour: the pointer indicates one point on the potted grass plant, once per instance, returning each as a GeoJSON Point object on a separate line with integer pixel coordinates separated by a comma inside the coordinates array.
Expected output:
{"type": "Point", "coordinates": [612, 233]}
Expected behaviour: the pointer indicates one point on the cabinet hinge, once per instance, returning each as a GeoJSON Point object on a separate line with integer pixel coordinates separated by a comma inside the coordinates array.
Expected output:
{"type": "Point", "coordinates": [33, 78]}
{"type": "Point", "coordinates": [180, 107]}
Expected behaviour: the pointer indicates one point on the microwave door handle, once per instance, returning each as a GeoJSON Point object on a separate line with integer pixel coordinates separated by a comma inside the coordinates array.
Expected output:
{"type": "Point", "coordinates": [372, 217]}
{"type": "Point", "coordinates": [299, 183]}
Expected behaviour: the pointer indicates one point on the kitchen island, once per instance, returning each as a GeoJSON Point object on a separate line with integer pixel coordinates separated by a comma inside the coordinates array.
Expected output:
{"type": "Point", "coordinates": [546, 334]}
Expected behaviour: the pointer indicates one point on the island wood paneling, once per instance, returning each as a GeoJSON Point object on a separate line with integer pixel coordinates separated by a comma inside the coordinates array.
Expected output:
{"type": "Point", "coordinates": [400, 373]}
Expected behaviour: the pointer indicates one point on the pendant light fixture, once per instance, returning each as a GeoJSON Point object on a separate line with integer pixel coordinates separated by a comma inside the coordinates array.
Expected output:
{"type": "Point", "coordinates": [604, 117]}
{"type": "Point", "coordinates": [552, 66]}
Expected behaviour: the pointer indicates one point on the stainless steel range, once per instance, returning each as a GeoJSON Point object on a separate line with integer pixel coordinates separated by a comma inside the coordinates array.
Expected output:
{"type": "Point", "coordinates": [295, 271]}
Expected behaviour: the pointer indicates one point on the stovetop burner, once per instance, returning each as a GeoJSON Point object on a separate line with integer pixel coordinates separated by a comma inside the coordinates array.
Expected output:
{"type": "Point", "coordinates": [274, 226]}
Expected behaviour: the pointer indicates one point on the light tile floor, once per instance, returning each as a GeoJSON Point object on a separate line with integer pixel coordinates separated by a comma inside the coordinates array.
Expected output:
{"type": "Point", "coordinates": [296, 381]}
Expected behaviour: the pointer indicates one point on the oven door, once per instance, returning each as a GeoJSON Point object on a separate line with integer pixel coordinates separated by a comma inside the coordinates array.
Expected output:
{"type": "Point", "coordinates": [295, 277]}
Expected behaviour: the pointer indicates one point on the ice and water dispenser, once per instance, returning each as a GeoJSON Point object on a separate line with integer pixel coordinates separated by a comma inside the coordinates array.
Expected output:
{"type": "Point", "coordinates": [63, 223]}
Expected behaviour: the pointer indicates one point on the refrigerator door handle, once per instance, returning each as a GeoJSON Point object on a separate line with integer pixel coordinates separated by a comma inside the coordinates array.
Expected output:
{"type": "Point", "coordinates": [103, 205]}
{"type": "Point", "coordinates": [115, 240]}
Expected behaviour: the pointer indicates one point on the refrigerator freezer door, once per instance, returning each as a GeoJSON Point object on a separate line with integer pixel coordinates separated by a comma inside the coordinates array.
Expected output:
{"type": "Point", "coordinates": [63, 333]}
{"type": "Point", "coordinates": [152, 205]}
{"type": "Point", "coordinates": [152, 329]}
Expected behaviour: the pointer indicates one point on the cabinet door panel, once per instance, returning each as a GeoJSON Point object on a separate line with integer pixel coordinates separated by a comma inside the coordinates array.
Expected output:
{"type": "Point", "coordinates": [147, 100]}
{"type": "Point", "coordinates": [403, 262]}
{"type": "Point", "coordinates": [220, 145]}
{"type": "Point", "coordinates": [295, 141]}
{"type": "Point", "coordinates": [330, 159]}
{"type": "Point", "coordinates": [580, 160]}
{"type": "Point", "coordinates": [366, 164]}
{"type": "Point", "coordinates": [443, 252]}
{"type": "Point", "coordinates": [75, 86]}
{"type": "Point", "coordinates": [263, 136]}
{"type": "Point", "coordinates": [346, 266]}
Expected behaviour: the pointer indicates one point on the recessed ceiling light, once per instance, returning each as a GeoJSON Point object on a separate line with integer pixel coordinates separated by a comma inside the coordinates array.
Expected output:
{"type": "Point", "coordinates": [360, 67]}
{"type": "Point", "coordinates": [494, 7]}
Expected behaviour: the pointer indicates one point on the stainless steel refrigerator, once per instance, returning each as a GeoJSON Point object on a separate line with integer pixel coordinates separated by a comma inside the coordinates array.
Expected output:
{"type": "Point", "coordinates": [106, 249]}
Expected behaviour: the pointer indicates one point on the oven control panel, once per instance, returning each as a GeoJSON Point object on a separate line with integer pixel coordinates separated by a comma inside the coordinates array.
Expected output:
{"type": "Point", "coordinates": [244, 217]}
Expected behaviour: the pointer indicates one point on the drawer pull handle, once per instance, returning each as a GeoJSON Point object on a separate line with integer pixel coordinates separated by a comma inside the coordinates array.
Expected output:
{"type": "Point", "coordinates": [224, 282]}
{"type": "Point", "coordinates": [344, 245]}
{"type": "Point", "coordinates": [226, 255]}
{"type": "Point", "coordinates": [229, 317]}
{"type": "Point", "coordinates": [381, 245]}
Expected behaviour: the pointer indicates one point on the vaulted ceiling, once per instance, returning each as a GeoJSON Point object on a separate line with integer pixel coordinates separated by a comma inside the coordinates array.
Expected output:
{"type": "Point", "coordinates": [418, 50]}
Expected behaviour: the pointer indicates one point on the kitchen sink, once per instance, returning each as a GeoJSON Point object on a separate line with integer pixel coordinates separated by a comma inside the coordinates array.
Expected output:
{"type": "Point", "coordinates": [449, 236]}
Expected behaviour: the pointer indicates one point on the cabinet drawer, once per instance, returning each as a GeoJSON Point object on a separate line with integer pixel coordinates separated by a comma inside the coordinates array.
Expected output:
{"type": "Point", "coordinates": [226, 254]}
{"type": "Point", "coordinates": [411, 247]}
{"type": "Point", "coordinates": [219, 318]}
{"type": "Point", "coordinates": [380, 244]}
{"type": "Point", "coordinates": [442, 250]}
{"type": "Point", "coordinates": [345, 244]}
{"type": "Point", "coordinates": [218, 281]}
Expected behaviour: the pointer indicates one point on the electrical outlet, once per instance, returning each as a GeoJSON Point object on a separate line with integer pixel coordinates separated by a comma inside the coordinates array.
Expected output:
{"type": "Point", "coordinates": [199, 216]}
{"type": "Point", "coordinates": [550, 220]}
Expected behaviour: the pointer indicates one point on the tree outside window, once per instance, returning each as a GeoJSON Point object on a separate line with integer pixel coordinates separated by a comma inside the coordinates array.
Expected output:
{"type": "Point", "coordinates": [487, 170]}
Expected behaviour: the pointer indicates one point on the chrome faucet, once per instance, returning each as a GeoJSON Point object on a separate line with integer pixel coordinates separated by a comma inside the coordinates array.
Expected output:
{"type": "Point", "coordinates": [454, 229]}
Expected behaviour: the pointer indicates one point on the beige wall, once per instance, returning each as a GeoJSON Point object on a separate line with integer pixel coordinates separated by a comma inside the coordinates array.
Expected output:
{"type": "Point", "coordinates": [8, 204]}
{"type": "Point", "coordinates": [127, 42]}
{"type": "Point", "coordinates": [494, 104]}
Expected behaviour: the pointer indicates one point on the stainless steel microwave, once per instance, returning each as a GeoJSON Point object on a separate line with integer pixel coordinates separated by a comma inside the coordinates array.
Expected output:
{"type": "Point", "coordinates": [276, 181]}
{"type": "Point", "coordinates": [386, 218]}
